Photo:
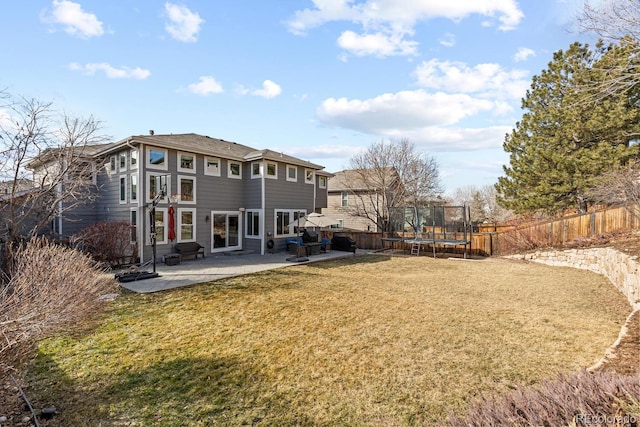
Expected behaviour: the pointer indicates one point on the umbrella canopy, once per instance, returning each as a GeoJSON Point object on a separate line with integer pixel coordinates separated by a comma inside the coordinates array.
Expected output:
{"type": "Point", "coordinates": [314, 220]}
{"type": "Point", "coordinates": [171, 233]}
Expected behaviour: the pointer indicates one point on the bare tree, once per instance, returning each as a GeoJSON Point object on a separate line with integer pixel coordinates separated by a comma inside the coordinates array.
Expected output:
{"type": "Point", "coordinates": [45, 165]}
{"type": "Point", "coordinates": [482, 202]}
{"type": "Point", "coordinates": [389, 174]}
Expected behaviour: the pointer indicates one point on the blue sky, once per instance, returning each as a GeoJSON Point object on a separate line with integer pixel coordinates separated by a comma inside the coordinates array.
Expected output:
{"type": "Point", "coordinates": [318, 79]}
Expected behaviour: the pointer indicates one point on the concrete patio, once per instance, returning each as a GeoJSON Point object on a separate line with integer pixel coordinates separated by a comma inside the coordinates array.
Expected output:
{"type": "Point", "coordinates": [216, 267]}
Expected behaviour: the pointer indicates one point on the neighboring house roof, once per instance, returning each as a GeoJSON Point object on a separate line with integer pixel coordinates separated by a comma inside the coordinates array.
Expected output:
{"type": "Point", "coordinates": [357, 179]}
{"type": "Point", "coordinates": [201, 144]}
{"type": "Point", "coordinates": [49, 154]}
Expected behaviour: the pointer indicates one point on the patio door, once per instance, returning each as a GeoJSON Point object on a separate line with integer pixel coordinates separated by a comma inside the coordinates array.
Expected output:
{"type": "Point", "coordinates": [225, 231]}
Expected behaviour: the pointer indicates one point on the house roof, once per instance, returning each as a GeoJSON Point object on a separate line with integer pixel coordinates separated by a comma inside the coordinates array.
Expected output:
{"type": "Point", "coordinates": [354, 179]}
{"type": "Point", "coordinates": [49, 154]}
{"type": "Point", "coordinates": [201, 144]}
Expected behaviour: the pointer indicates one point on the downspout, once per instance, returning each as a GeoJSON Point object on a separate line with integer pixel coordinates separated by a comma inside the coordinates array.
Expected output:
{"type": "Point", "coordinates": [142, 194]}
{"type": "Point", "coordinates": [263, 207]}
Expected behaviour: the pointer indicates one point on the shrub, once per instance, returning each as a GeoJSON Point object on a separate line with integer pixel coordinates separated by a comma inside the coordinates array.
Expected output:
{"type": "Point", "coordinates": [49, 286]}
{"type": "Point", "coordinates": [108, 242]}
{"type": "Point", "coordinates": [594, 399]}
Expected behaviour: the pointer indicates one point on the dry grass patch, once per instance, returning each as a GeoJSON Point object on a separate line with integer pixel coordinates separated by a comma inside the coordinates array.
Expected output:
{"type": "Point", "coordinates": [361, 341]}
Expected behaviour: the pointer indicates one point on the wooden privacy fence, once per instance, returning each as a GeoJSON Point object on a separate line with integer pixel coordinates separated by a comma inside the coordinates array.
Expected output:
{"type": "Point", "coordinates": [529, 236]}
{"type": "Point", "coordinates": [556, 232]}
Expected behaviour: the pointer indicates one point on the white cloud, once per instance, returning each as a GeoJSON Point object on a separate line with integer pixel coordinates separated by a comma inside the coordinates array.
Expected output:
{"type": "Point", "coordinates": [377, 44]}
{"type": "Point", "coordinates": [406, 110]}
{"type": "Point", "coordinates": [111, 72]}
{"type": "Point", "coordinates": [523, 54]}
{"type": "Point", "coordinates": [207, 85]}
{"type": "Point", "coordinates": [183, 24]}
{"type": "Point", "coordinates": [75, 21]}
{"type": "Point", "coordinates": [269, 90]}
{"type": "Point", "coordinates": [395, 19]}
{"type": "Point", "coordinates": [444, 139]}
{"type": "Point", "coordinates": [484, 79]}
{"type": "Point", "coordinates": [448, 40]}
{"type": "Point", "coordinates": [322, 151]}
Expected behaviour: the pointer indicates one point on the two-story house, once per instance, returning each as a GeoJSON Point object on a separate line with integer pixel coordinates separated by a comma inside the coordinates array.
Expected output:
{"type": "Point", "coordinates": [225, 196]}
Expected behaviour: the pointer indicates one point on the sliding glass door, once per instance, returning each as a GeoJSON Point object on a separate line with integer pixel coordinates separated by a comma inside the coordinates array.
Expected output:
{"type": "Point", "coordinates": [225, 231]}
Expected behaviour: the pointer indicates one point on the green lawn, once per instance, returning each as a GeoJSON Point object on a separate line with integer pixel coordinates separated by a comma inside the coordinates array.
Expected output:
{"type": "Point", "coordinates": [360, 341]}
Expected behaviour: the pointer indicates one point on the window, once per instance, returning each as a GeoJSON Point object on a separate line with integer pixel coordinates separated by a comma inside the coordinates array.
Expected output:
{"type": "Point", "coordinates": [133, 159]}
{"type": "Point", "coordinates": [160, 225]}
{"type": "Point", "coordinates": [339, 225]}
{"type": "Point", "coordinates": [187, 189]}
{"type": "Point", "coordinates": [156, 183]}
{"type": "Point", "coordinates": [256, 169]}
{"type": "Point", "coordinates": [235, 170]}
{"type": "Point", "coordinates": [133, 220]}
{"type": "Point", "coordinates": [322, 181]}
{"type": "Point", "coordinates": [292, 173]}
{"type": "Point", "coordinates": [212, 166]}
{"type": "Point", "coordinates": [345, 199]}
{"type": "Point", "coordinates": [253, 223]}
{"type": "Point", "coordinates": [122, 161]}
{"type": "Point", "coordinates": [308, 176]}
{"type": "Point", "coordinates": [285, 217]}
{"type": "Point", "coordinates": [112, 164]}
{"type": "Point", "coordinates": [186, 225]}
{"type": "Point", "coordinates": [157, 158]}
{"type": "Point", "coordinates": [272, 170]}
{"type": "Point", "coordinates": [133, 187]}
{"type": "Point", "coordinates": [123, 189]}
{"type": "Point", "coordinates": [186, 162]}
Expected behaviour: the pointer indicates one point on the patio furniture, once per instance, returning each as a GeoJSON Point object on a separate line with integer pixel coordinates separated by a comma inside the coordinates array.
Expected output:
{"type": "Point", "coordinates": [189, 249]}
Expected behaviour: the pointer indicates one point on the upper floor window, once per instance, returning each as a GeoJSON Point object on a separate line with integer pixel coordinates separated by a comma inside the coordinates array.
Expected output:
{"type": "Point", "coordinates": [235, 170]}
{"type": "Point", "coordinates": [322, 182]}
{"type": "Point", "coordinates": [187, 188]}
{"type": "Point", "coordinates": [123, 189]}
{"type": "Point", "coordinates": [156, 158]}
{"type": "Point", "coordinates": [308, 176]}
{"type": "Point", "coordinates": [186, 162]}
{"type": "Point", "coordinates": [122, 161]}
{"type": "Point", "coordinates": [212, 166]}
{"type": "Point", "coordinates": [345, 199]}
{"type": "Point", "coordinates": [292, 173]}
{"type": "Point", "coordinates": [133, 187]}
{"type": "Point", "coordinates": [157, 183]}
{"type": "Point", "coordinates": [133, 159]}
{"type": "Point", "coordinates": [112, 164]}
{"type": "Point", "coordinates": [272, 170]}
{"type": "Point", "coordinates": [256, 170]}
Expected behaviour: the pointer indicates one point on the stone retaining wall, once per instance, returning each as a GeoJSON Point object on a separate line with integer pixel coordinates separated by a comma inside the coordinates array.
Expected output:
{"type": "Point", "coordinates": [621, 269]}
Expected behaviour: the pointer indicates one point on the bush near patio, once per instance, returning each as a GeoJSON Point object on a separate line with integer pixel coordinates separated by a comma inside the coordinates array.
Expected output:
{"type": "Point", "coordinates": [360, 341]}
{"type": "Point", "coordinates": [49, 287]}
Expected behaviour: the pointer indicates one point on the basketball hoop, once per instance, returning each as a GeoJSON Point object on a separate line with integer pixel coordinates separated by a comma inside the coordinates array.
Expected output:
{"type": "Point", "coordinates": [174, 198]}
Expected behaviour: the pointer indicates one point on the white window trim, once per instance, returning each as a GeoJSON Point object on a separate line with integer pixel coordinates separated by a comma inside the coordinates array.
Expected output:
{"type": "Point", "coordinates": [179, 224]}
{"type": "Point", "coordinates": [148, 160]}
{"type": "Point", "coordinates": [291, 233]}
{"type": "Point", "coordinates": [229, 175]}
{"type": "Point", "coordinates": [320, 179]}
{"type": "Point", "coordinates": [179, 162]}
{"type": "Point", "coordinates": [246, 221]}
{"type": "Point", "coordinates": [133, 153]}
{"type": "Point", "coordinates": [206, 170]}
{"type": "Point", "coordinates": [113, 164]}
{"type": "Point", "coordinates": [131, 177]}
{"type": "Point", "coordinates": [191, 178]}
{"type": "Point", "coordinates": [148, 189]}
{"type": "Point", "coordinates": [122, 155]}
{"type": "Point", "coordinates": [266, 170]}
{"type": "Point", "coordinates": [165, 237]}
{"type": "Point", "coordinates": [295, 178]}
{"type": "Point", "coordinates": [123, 200]}
{"type": "Point", "coordinates": [313, 175]}
{"type": "Point", "coordinates": [131, 211]}
{"type": "Point", "coordinates": [260, 170]}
